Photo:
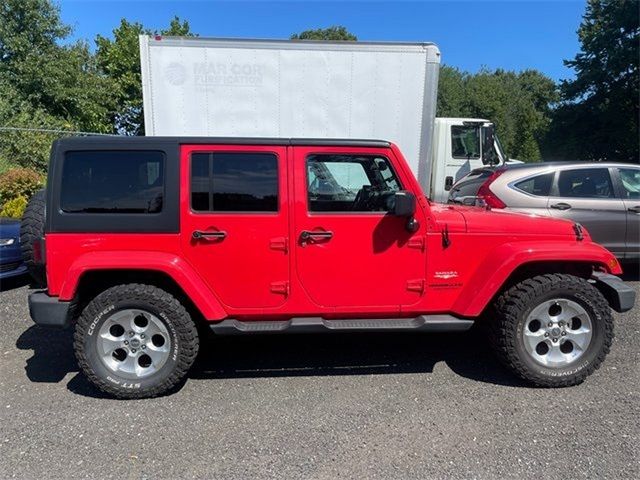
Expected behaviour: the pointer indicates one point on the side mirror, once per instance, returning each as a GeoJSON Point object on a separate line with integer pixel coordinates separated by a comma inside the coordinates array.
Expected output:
{"type": "Point", "coordinates": [404, 204]}
{"type": "Point", "coordinates": [488, 153]}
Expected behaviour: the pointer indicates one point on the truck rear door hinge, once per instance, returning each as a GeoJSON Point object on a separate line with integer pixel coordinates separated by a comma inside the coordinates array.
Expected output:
{"type": "Point", "coordinates": [416, 285]}
{"type": "Point", "coordinates": [280, 287]}
{"type": "Point", "coordinates": [279, 243]}
{"type": "Point", "coordinates": [417, 243]}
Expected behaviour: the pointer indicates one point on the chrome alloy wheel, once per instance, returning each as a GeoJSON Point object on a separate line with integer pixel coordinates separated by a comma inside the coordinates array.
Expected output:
{"type": "Point", "coordinates": [133, 343]}
{"type": "Point", "coordinates": [557, 333]}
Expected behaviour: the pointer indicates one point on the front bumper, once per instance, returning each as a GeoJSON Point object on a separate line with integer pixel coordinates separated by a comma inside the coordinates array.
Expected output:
{"type": "Point", "coordinates": [49, 311]}
{"type": "Point", "coordinates": [621, 297]}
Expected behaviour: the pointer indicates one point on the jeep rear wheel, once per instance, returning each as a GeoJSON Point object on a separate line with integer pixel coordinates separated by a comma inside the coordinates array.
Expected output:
{"type": "Point", "coordinates": [135, 341]}
{"type": "Point", "coordinates": [552, 330]}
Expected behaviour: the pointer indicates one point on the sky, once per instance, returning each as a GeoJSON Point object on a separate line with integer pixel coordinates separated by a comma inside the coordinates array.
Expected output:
{"type": "Point", "coordinates": [509, 34]}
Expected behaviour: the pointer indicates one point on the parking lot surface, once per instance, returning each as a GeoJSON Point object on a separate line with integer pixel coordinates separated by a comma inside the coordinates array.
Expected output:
{"type": "Point", "coordinates": [321, 406]}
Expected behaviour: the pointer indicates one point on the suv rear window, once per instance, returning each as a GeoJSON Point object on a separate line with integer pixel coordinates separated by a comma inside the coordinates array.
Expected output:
{"type": "Point", "coordinates": [540, 185]}
{"type": "Point", "coordinates": [234, 182]}
{"type": "Point", "coordinates": [112, 182]}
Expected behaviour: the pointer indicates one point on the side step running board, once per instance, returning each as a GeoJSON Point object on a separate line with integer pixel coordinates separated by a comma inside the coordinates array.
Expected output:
{"type": "Point", "coordinates": [424, 323]}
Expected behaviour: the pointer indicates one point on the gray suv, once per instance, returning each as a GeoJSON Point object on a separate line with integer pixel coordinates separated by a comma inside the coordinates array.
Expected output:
{"type": "Point", "coordinates": [604, 197]}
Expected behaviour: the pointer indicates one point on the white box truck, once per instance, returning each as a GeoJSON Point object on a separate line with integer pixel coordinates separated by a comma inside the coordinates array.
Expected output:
{"type": "Point", "coordinates": [281, 88]}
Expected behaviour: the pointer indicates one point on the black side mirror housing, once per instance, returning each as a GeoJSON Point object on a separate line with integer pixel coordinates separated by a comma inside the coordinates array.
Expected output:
{"type": "Point", "coordinates": [404, 204]}
{"type": "Point", "coordinates": [488, 153]}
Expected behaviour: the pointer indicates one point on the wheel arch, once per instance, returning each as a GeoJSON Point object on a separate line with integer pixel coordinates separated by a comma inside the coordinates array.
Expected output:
{"type": "Point", "coordinates": [87, 278]}
{"type": "Point", "coordinates": [510, 263]}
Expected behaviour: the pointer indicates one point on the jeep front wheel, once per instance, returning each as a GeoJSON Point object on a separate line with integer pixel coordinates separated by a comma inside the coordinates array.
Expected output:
{"type": "Point", "coordinates": [135, 341]}
{"type": "Point", "coordinates": [552, 330]}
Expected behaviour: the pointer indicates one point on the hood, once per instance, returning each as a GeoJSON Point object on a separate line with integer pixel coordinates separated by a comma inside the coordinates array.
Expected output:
{"type": "Point", "coordinates": [482, 220]}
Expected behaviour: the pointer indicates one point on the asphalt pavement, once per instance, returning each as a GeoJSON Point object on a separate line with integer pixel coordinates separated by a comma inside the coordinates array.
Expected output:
{"type": "Point", "coordinates": [365, 406]}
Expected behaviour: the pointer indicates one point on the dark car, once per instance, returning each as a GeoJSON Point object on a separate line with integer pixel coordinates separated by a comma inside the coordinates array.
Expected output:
{"type": "Point", "coordinates": [11, 264]}
{"type": "Point", "coordinates": [465, 190]}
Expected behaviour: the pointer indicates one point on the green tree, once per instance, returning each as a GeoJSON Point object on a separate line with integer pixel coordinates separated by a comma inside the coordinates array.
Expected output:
{"type": "Point", "coordinates": [60, 79]}
{"type": "Point", "coordinates": [518, 103]}
{"type": "Point", "coordinates": [119, 59]}
{"type": "Point", "coordinates": [598, 116]}
{"type": "Point", "coordinates": [336, 32]}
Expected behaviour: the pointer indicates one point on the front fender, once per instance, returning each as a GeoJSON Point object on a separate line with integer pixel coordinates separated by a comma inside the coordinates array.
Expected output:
{"type": "Point", "coordinates": [174, 266]}
{"type": "Point", "coordinates": [502, 261]}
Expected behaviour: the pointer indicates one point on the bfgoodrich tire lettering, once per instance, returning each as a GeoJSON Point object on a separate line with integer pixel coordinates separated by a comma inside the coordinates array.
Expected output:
{"type": "Point", "coordinates": [182, 333]}
{"type": "Point", "coordinates": [511, 311]}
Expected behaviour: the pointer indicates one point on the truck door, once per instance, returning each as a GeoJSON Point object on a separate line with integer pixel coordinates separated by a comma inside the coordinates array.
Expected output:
{"type": "Point", "coordinates": [234, 225]}
{"type": "Point", "coordinates": [351, 254]}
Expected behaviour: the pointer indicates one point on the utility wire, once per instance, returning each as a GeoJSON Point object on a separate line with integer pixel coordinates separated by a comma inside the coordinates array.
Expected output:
{"type": "Point", "coordinates": [49, 130]}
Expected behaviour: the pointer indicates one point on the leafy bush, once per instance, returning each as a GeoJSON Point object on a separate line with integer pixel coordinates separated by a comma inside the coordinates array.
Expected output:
{"type": "Point", "coordinates": [19, 182]}
{"type": "Point", "coordinates": [14, 208]}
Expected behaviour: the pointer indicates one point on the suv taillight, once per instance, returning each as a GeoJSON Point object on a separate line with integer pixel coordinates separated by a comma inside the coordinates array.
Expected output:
{"type": "Point", "coordinates": [485, 193]}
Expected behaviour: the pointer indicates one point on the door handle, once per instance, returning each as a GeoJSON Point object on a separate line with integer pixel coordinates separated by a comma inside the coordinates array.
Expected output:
{"type": "Point", "coordinates": [635, 209]}
{"type": "Point", "coordinates": [306, 235]}
{"type": "Point", "coordinates": [200, 235]}
{"type": "Point", "coordinates": [561, 206]}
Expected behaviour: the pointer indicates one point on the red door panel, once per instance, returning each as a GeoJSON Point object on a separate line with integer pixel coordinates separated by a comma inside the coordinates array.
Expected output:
{"type": "Point", "coordinates": [353, 261]}
{"type": "Point", "coordinates": [242, 255]}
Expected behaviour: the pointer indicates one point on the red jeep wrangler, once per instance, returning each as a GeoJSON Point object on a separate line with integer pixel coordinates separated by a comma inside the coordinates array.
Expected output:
{"type": "Point", "coordinates": [147, 240]}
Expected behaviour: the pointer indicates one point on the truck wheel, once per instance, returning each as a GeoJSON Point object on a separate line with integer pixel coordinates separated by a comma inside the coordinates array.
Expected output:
{"type": "Point", "coordinates": [135, 341]}
{"type": "Point", "coordinates": [552, 330]}
{"type": "Point", "coordinates": [31, 231]}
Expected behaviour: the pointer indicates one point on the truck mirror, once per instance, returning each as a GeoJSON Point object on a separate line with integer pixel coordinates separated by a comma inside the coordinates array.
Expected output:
{"type": "Point", "coordinates": [404, 204]}
{"type": "Point", "coordinates": [488, 152]}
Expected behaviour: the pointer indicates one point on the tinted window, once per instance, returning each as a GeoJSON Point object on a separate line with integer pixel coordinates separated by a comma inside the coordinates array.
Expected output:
{"type": "Point", "coordinates": [112, 182]}
{"type": "Point", "coordinates": [630, 178]}
{"type": "Point", "coordinates": [234, 182]}
{"type": "Point", "coordinates": [465, 142]}
{"type": "Point", "coordinates": [585, 183]}
{"type": "Point", "coordinates": [539, 185]}
{"type": "Point", "coordinates": [350, 183]}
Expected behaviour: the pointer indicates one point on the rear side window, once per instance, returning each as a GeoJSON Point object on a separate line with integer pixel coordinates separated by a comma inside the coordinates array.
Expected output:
{"type": "Point", "coordinates": [540, 185]}
{"type": "Point", "coordinates": [234, 182]}
{"type": "Point", "coordinates": [585, 183]}
{"type": "Point", "coordinates": [112, 182]}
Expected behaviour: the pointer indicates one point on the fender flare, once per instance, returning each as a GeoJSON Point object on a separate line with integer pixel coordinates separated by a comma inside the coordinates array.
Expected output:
{"type": "Point", "coordinates": [174, 266]}
{"type": "Point", "coordinates": [503, 260]}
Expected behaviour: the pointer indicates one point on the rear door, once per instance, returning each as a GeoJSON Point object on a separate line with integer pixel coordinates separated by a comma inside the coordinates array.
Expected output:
{"type": "Point", "coordinates": [350, 253]}
{"type": "Point", "coordinates": [587, 196]}
{"type": "Point", "coordinates": [629, 181]}
{"type": "Point", "coordinates": [234, 221]}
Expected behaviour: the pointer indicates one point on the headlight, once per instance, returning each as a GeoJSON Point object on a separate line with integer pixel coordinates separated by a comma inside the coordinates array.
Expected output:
{"type": "Point", "coordinates": [4, 242]}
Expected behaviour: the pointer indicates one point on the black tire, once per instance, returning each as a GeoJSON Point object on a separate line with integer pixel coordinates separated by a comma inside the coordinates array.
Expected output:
{"type": "Point", "coordinates": [182, 332]}
{"type": "Point", "coordinates": [32, 230]}
{"type": "Point", "coordinates": [508, 317]}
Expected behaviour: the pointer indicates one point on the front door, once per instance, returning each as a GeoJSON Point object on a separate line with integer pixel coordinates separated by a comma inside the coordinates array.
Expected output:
{"type": "Point", "coordinates": [350, 253]}
{"type": "Point", "coordinates": [234, 221]}
{"type": "Point", "coordinates": [586, 196]}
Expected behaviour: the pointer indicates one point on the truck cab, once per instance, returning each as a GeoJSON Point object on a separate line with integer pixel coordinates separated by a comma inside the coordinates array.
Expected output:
{"type": "Point", "coordinates": [148, 241]}
{"type": "Point", "coordinates": [459, 146]}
